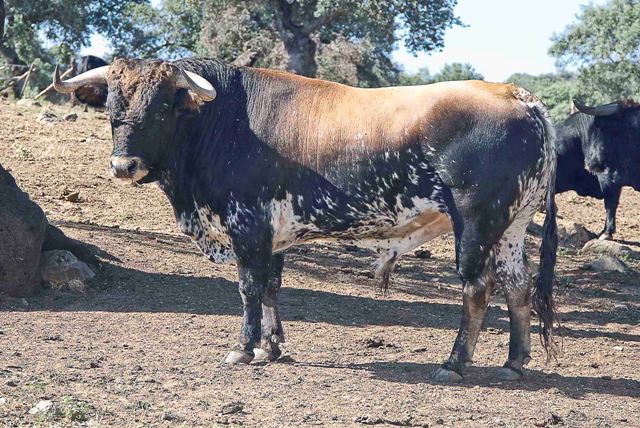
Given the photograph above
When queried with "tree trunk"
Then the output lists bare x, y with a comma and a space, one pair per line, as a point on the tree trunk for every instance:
300, 47
301, 52
7, 51
24, 234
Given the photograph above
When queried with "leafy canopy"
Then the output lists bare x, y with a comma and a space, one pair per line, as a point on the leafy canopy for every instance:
603, 48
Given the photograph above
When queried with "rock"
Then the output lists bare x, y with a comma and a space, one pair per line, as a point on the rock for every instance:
62, 270
70, 117
47, 117
621, 306
72, 197
28, 102
612, 248
618, 348
570, 234
422, 254
42, 407
3, 401
11, 383
606, 263
573, 235
22, 233
231, 408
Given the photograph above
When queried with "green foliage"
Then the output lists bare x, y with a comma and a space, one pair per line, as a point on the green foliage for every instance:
48, 31
556, 90
422, 77
453, 71
348, 41
457, 71
602, 46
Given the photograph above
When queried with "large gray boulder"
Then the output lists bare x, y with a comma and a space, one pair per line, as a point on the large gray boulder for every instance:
22, 231
611, 248
24, 234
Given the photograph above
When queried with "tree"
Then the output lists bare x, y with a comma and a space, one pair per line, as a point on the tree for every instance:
422, 77
48, 30
603, 47
457, 71
343, 40
556, 90
453, 71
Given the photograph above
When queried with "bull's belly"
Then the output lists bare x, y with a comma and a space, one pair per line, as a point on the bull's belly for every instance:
385, 232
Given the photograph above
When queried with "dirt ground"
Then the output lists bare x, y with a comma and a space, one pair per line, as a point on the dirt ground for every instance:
144, 346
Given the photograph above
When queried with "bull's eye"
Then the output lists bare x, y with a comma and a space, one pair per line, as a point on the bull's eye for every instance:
162, 112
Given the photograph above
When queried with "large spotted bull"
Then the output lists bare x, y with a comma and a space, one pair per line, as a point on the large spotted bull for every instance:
254, 161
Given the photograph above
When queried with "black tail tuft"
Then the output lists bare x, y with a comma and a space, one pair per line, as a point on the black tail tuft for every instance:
543, 303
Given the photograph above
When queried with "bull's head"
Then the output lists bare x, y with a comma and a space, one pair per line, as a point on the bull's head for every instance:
145, 100
599, 134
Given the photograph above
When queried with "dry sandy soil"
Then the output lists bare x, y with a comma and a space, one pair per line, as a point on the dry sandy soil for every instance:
144, 346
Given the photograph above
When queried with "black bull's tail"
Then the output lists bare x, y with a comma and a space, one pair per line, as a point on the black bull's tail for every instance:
543, 303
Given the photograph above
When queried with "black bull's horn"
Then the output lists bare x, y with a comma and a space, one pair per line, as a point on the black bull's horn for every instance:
601, 110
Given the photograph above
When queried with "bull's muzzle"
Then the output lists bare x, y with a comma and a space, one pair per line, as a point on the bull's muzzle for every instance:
128, 168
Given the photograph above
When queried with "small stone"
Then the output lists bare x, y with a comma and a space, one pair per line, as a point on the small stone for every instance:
70, 117
47, 117
95, 365
42, 407
28, 102
72, 197
621, 306
231, 408
418, 350
618, 348
374, 342
422, 254
3, 401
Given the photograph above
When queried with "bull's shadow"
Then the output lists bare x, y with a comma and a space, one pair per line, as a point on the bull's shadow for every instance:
420, 373
121, 289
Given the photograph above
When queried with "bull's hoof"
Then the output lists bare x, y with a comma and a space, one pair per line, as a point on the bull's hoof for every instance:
239, 357
267, 354
448, 376
507, 373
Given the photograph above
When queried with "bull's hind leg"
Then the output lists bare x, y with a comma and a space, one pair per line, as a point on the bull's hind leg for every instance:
512, 272
475, 269
272, 333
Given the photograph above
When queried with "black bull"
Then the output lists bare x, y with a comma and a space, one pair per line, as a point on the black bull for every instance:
277, 160
598, 154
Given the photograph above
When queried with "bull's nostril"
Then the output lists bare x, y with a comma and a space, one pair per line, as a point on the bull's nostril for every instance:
133, 165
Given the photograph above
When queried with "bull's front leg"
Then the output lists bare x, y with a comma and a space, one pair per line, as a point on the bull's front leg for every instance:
253, 283
272, 332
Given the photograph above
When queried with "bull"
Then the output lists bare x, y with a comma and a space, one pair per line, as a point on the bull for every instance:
254, 161
598, 154
92, 95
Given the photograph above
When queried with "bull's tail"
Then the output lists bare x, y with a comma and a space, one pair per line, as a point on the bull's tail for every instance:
543, 303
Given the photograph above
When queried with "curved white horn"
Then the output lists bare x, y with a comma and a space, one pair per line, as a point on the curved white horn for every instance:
197, 84
96, 76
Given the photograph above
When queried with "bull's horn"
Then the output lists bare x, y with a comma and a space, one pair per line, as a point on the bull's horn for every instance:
601, 110
197, 84
96, 76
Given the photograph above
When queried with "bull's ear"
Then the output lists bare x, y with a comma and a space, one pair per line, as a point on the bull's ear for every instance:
95, 96
187, 102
